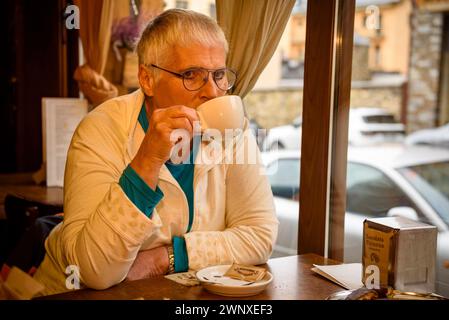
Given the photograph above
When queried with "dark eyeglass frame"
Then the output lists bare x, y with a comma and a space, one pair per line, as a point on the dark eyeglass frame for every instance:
182, 76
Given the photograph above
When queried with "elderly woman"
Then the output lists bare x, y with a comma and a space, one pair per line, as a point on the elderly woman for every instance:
130, 212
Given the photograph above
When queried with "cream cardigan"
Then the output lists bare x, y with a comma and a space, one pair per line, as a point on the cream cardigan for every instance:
102, 232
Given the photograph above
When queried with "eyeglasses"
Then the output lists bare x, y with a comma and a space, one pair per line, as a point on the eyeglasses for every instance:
195, 78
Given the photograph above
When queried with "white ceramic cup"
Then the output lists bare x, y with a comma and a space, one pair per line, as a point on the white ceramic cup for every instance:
225, 112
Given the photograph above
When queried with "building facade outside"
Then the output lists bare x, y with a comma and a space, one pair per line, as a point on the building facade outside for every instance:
400, 62
428, 83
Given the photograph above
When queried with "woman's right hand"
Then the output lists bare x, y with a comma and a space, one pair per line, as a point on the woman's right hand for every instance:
159, 140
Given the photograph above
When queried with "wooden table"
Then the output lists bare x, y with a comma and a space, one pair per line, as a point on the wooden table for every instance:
23, 186
293, 280
47, 196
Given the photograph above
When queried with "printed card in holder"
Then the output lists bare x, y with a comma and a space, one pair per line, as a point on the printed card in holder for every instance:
60, 117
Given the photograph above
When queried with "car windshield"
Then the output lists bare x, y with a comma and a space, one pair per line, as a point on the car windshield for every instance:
432, 182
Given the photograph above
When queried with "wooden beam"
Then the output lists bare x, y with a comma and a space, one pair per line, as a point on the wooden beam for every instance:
317, 104
327, 86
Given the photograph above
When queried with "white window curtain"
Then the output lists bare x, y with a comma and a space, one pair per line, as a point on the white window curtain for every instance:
253, 29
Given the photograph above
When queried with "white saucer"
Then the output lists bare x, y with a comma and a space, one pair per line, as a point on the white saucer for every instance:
213, 280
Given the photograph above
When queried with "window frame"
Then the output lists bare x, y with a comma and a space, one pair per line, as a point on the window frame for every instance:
328, 61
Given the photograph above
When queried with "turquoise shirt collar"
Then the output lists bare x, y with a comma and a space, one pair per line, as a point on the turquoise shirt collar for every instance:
143, 120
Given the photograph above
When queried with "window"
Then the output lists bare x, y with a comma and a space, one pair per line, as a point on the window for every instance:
299, 5
379, 26
274, 104
407, 46
212, 10
370, 192
285, 180
365, 22
182, 4
377, 56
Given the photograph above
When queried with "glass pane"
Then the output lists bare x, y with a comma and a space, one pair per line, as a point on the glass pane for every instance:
398, 154
370, 192
431, 181
275, 106
285, 178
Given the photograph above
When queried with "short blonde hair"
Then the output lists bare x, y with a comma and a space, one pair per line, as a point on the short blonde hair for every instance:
177, 27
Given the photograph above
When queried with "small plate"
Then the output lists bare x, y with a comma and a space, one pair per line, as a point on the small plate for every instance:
213, 281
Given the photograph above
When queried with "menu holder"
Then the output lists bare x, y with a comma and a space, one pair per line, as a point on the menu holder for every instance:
60, 117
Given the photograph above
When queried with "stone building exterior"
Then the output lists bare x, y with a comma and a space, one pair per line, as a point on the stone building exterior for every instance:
417, 93
360, 56
428, 105
274, 107
279, 105
271, 108
384, 23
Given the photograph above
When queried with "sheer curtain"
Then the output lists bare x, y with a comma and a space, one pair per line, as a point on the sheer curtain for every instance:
253, 29
95, 32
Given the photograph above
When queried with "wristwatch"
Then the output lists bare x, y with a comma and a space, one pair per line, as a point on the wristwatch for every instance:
171, 260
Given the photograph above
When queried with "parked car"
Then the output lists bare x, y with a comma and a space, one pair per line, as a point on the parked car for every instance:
366, 126
410, 181
434, 137
258, 132
284, 137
